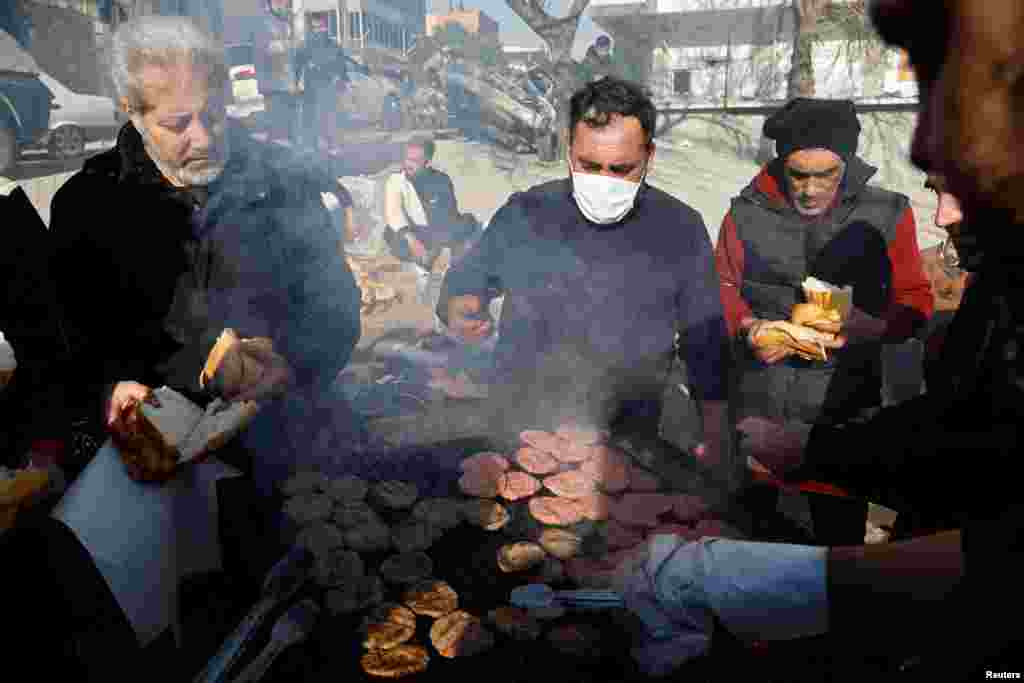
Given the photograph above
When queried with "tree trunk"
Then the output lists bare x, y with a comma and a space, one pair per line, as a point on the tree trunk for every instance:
806, 15
558, 34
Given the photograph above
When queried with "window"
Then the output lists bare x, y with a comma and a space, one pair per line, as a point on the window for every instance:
682, 82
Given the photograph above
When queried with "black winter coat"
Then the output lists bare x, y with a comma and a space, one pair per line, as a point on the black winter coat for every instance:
950, 457
32, 407
149, 277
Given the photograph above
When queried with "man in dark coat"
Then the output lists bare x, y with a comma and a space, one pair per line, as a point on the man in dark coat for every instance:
204, 230
599, 271
952, 595
32, 406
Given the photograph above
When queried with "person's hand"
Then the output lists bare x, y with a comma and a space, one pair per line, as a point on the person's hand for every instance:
759, 591
669, 633
774, 340
121, 417
777, 446
465, 319
275, 380
768, 354
857, 327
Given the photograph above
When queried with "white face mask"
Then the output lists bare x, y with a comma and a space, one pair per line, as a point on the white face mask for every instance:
604, 199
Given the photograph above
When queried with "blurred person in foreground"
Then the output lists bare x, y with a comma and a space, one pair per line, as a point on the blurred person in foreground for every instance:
949, 266
599, 271
33, 353
422, 212
952, 594
206, 229
186, 227
811, 212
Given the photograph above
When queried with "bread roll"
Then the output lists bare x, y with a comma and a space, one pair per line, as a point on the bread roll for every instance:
396, 662
431, 598
813, 314
460, 634
804, 341
518, 557
387, 626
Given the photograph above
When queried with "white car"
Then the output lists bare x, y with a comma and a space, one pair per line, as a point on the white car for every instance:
77, 119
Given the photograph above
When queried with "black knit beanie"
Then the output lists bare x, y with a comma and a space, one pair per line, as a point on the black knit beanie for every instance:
812, 124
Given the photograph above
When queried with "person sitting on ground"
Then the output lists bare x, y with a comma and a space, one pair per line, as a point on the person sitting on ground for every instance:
811, 213
422, 212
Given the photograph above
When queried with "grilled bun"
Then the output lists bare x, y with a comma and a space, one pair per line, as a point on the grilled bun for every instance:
809, 314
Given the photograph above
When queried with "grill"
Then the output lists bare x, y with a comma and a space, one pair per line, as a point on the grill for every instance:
465, 557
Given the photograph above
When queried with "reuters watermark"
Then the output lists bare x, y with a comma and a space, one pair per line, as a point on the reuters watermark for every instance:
1002, 675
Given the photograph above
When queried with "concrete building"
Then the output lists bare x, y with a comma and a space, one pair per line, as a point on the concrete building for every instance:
474, 21
736, 51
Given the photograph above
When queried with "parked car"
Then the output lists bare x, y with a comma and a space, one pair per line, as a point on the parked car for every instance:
24, 115
24, 102
77, 119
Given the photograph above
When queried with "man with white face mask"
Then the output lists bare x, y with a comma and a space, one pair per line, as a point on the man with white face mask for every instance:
599, 271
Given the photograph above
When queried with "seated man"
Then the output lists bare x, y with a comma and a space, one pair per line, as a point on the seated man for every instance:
811, 212
421, 211
32, 405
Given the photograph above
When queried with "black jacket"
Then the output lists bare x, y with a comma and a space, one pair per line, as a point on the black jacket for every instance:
149, 276
32, 407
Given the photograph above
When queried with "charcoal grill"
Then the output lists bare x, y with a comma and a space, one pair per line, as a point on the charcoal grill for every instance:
466, 558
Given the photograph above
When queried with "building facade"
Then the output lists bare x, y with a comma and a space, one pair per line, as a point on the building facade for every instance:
474, 21
737, 51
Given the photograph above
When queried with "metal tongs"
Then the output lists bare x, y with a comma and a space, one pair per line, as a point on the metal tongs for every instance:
542, 596
284, 580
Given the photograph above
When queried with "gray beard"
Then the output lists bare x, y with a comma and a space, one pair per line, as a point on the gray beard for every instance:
190, 175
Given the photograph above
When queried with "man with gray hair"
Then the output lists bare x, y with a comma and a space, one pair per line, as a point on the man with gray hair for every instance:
206, 229
194, 228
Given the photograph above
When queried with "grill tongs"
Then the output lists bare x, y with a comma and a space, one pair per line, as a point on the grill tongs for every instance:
542, 596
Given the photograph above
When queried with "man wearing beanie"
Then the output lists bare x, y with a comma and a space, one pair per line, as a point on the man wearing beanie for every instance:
811, 213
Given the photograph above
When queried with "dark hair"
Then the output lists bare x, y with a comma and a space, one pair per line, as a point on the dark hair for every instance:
426, 144
597, 102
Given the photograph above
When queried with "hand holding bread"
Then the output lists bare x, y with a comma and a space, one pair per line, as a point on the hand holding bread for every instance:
245, 369
766, 336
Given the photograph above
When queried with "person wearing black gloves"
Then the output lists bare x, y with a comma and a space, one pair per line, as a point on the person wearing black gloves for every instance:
951, 594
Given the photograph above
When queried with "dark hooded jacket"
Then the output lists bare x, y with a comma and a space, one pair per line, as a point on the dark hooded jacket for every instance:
149, 274
867, 240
